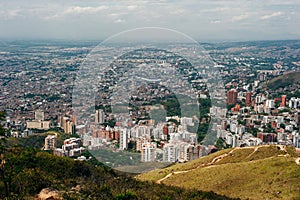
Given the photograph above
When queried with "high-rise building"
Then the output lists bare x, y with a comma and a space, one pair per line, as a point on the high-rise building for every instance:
148, 152
248, 98
170, 153
267, 137
50, 142
183, 152
294, 102
224, 124
297, 119
296, 140
165, 130
270, 103
67, 124
99, 116
232, 96
139, 143
283, 100
123, 139
258, 99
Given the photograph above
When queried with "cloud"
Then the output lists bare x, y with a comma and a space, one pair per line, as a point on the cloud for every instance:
13, 13
240, 17
119, 21
132, 7
216, 10
115, 15
215, 21
88, 9
76, 10
272, 15
10, 14
177, 11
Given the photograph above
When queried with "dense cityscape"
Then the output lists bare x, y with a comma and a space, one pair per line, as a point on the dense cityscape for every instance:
37, 85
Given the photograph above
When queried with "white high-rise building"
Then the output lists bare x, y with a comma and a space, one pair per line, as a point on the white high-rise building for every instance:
183, 152
233, 127
123, 139
294, 102
296, 139
234, 140
270, 103
170, 153
258, 99
148, 152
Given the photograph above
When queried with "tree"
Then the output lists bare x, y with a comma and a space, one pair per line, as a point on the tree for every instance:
174, 121
282, 125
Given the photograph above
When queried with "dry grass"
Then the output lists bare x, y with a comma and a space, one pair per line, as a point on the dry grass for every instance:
160, 173
271, 178
266, 172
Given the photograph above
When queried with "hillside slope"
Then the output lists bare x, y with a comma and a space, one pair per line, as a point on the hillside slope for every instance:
264, 172
284, 80
27, 172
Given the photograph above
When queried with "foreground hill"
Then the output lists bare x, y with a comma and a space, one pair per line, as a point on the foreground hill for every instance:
264, 172
34, 174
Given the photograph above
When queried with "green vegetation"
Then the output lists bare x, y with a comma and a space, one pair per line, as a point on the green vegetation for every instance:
202, 130
2, 134
35, 141
174, 121
221, 144
38, 140
172, 107
2, 154
116, 159
264, 172
28, 171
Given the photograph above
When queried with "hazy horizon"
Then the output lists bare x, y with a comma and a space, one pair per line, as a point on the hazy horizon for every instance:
41, 40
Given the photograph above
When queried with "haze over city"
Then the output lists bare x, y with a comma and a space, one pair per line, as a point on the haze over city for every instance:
219, 20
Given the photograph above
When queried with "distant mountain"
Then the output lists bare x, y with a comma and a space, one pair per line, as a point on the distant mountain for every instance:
264, 172
285, 80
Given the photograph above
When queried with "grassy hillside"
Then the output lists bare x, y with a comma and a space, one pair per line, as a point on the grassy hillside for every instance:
284, 80
265, 172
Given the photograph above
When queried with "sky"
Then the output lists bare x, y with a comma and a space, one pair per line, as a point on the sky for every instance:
203, 20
